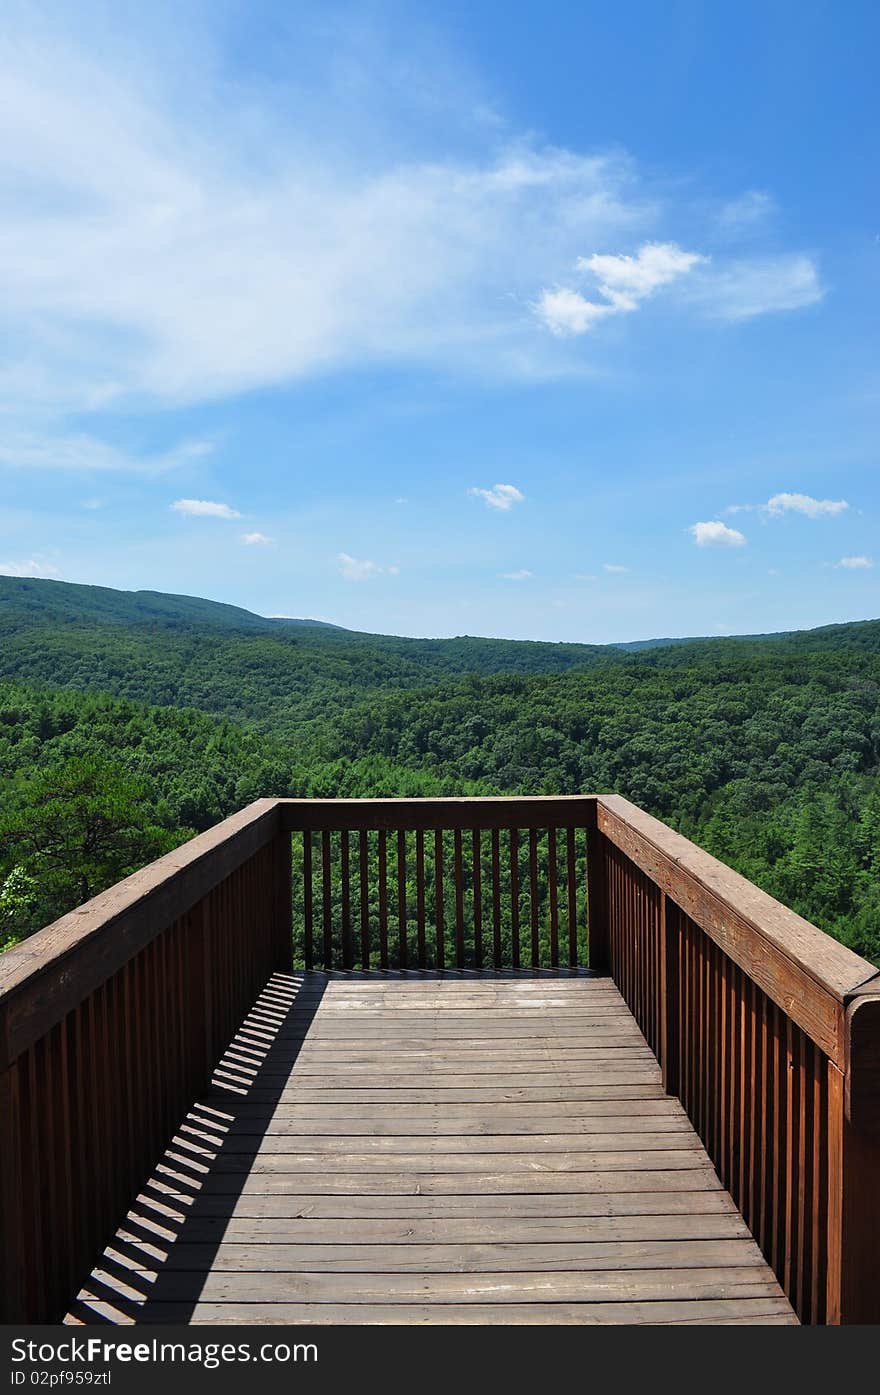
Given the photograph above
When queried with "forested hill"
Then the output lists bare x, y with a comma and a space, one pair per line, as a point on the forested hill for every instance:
182, 651
146, 716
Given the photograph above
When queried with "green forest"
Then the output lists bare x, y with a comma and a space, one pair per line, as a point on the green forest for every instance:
129, 721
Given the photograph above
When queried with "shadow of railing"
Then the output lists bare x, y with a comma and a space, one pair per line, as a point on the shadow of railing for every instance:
155, 1267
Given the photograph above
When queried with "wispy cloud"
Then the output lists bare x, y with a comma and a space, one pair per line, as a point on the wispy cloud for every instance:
716, 534
33, 566
614, 567
28, 450
752, 208
742, 290
256, 540
203, 508
781, 504
522, 575
500, 496
855, 564
220, 237
362, 569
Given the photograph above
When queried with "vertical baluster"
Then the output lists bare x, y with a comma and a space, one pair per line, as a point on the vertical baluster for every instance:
791, 1132
478, 899
706, 1065
345, 877
765, 1123
514, 898
753, 1103
327, 888
721, 1071
438, 899
552, 871
778, 1148
383, 899
496, 898
819, 1199
571, 890
308, 915
804, 1185
459, 899
533, 897
364, 889
402, 945
420, 899
31, 1189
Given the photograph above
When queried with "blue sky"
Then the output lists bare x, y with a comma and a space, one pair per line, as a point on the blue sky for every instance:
539, 320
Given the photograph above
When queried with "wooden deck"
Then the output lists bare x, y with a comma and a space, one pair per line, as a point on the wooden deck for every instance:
468, 1149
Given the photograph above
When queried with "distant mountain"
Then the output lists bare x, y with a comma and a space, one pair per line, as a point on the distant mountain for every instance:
27, 600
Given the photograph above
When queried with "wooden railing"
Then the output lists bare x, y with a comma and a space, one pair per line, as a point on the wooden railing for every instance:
440, 884
111, 1021
768, 1031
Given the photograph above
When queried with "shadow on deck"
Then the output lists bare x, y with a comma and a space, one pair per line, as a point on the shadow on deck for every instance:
484, 1148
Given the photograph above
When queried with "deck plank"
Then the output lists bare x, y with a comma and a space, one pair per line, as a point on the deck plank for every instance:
461, 1150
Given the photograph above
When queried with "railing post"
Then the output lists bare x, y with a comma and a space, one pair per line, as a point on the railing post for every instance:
854, 1169
14, 1259
201, 1000
668, 996
283, 902
597, 893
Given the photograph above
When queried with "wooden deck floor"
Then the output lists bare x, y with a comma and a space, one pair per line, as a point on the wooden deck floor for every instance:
457, 1150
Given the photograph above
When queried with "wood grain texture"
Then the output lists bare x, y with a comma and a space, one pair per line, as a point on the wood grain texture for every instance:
312, 1182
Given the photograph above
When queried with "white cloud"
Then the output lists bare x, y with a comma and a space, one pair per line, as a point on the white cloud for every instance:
753, 207
203, 508
522, 575
34, 566
742, 290
614, 567
781, 504
500, 496
361, 569
805, 504
566, 312
625, 281
716, 534
256, 540
856, 563
622, 280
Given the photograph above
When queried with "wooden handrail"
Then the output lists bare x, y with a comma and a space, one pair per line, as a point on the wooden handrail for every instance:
482, 812
46, 976
806, 972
